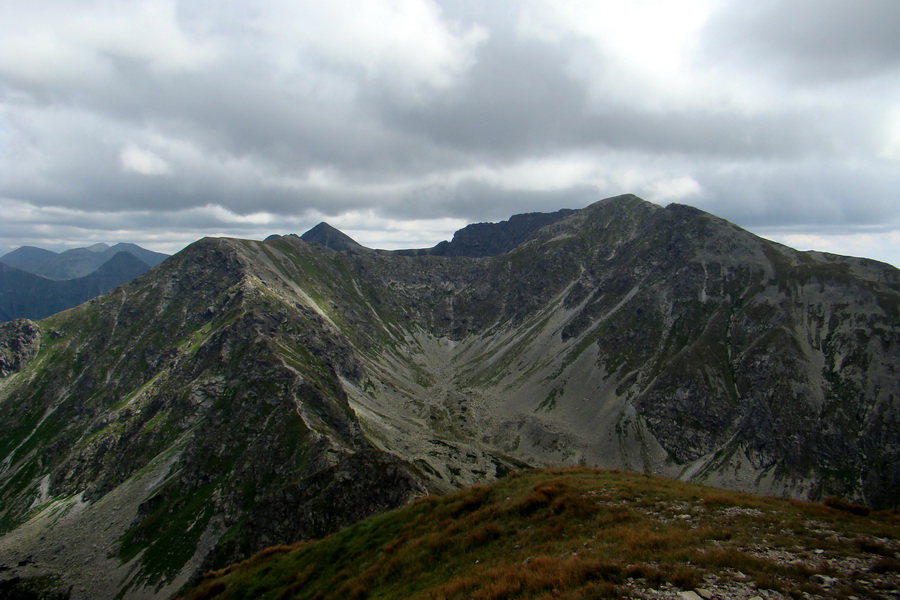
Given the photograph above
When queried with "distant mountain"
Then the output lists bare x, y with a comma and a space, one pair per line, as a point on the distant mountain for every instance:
328, 236
490, 239
474, 241
28, 258
30, 296
245, 394
74, 263
149, 257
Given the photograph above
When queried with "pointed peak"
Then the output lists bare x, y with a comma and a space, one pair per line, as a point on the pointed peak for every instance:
328, 236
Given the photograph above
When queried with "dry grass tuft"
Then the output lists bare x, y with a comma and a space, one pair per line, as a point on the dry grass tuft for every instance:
839, 503
483, 534
574, 505
476, 497
886, 565
535, 576
870, 546
210, 591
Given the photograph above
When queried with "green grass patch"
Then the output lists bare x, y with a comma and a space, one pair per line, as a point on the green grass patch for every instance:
569, 533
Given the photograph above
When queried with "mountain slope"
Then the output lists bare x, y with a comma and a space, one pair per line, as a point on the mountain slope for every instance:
174, 428
225, 400
580, 533
656, 339
29, 296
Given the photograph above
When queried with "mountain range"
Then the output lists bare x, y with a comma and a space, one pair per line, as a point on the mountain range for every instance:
77, 262
244, 394
36, 283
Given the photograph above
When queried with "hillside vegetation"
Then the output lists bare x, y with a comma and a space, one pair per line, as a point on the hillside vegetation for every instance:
583, 533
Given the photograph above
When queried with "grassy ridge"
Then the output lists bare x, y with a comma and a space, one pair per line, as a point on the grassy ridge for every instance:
582, 533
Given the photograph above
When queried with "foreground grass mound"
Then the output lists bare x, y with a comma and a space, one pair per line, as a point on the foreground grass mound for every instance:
584, 533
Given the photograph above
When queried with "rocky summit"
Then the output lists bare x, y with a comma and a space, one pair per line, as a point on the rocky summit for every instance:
244, 394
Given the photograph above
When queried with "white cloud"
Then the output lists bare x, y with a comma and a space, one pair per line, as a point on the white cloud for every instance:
640, 51
73, 42
674, 188
890, 146
142, 161
374, 231
406, 43
882, 245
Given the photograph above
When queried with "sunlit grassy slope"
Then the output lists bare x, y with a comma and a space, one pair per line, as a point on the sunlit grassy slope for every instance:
584, 533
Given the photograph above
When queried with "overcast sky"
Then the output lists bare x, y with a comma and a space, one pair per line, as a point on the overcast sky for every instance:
399, 121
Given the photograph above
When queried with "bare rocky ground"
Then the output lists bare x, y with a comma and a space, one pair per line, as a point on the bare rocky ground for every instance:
834, 573
851, 579
54, 541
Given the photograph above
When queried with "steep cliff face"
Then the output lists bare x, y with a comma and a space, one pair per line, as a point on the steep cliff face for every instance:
249, 393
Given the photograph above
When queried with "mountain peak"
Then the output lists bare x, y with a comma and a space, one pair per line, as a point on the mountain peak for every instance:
330, 237
491, 239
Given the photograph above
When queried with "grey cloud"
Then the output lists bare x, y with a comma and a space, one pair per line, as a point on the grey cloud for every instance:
520, 98
811, 193
476, 200
808, 40
517, 98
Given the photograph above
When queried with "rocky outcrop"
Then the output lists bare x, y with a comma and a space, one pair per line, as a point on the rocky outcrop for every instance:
20, 341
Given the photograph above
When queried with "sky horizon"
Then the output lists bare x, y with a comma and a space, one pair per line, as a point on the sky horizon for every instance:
159, 122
